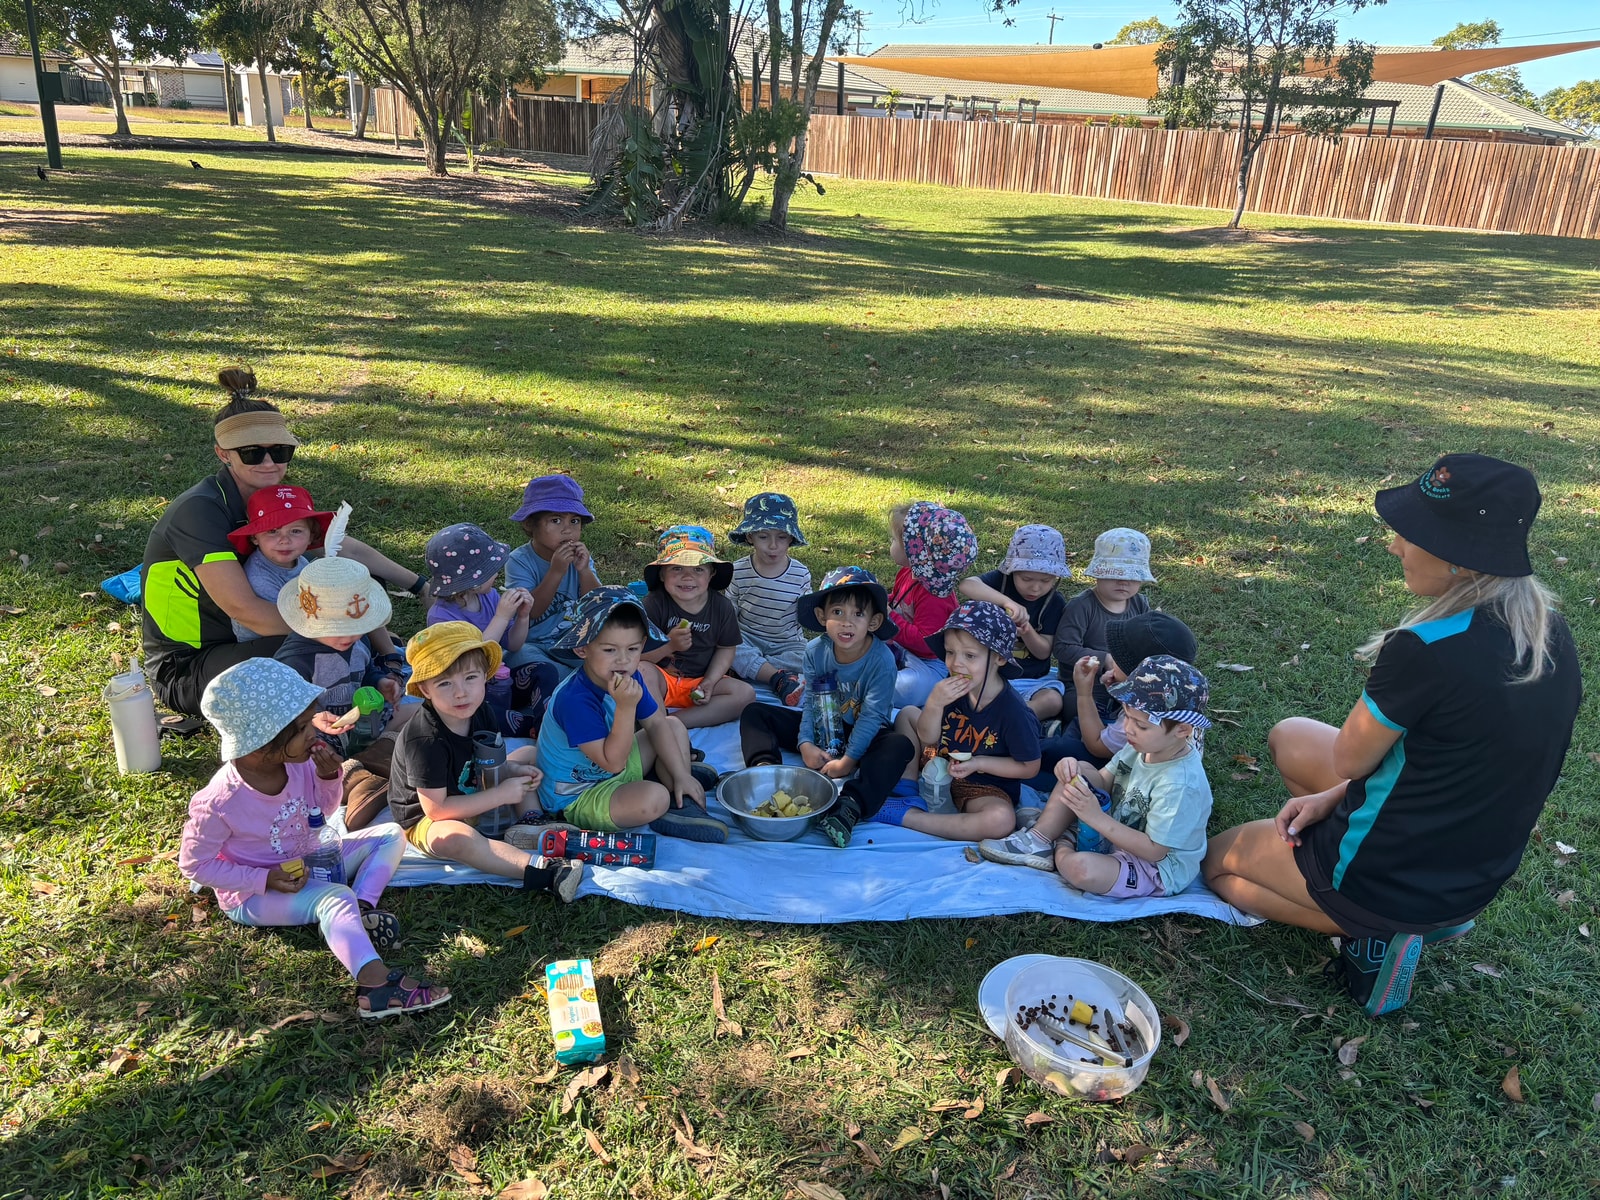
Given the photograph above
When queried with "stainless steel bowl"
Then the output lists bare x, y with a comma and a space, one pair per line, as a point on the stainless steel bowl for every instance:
752, 787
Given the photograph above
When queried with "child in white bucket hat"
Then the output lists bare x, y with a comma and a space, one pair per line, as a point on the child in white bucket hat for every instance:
249, 828
1119, 568
1024, 585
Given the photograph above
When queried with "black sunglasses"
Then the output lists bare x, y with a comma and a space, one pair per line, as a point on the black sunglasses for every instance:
251, 456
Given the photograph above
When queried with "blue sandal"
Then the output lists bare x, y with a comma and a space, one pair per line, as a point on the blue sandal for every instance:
381, 997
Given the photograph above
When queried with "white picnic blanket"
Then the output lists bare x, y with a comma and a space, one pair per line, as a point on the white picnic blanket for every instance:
886, 874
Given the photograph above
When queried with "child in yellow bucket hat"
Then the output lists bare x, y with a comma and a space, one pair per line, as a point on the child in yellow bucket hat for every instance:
687, 582
433, 790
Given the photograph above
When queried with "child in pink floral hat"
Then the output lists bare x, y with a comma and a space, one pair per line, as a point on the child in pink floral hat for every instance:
932, 545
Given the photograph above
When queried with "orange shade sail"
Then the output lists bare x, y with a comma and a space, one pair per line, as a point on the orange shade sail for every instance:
1131, 70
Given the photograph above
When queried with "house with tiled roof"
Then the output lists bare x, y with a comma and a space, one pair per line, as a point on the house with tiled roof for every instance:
17, 81
1452, 109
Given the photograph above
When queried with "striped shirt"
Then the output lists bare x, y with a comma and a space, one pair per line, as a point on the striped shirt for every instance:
767, 606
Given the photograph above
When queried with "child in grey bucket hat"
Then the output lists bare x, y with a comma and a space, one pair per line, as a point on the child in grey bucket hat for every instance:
1024, 585
250, 829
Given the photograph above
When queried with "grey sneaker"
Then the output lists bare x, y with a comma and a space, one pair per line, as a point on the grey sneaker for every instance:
530, 832
1021, 849
569, 878
1028, 816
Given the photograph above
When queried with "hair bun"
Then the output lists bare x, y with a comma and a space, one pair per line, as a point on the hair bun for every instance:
240, 381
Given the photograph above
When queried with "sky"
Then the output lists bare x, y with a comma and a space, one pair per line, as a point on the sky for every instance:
1402, 22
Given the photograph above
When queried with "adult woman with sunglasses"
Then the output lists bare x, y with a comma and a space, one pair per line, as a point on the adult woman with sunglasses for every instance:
1404, 824
193, 583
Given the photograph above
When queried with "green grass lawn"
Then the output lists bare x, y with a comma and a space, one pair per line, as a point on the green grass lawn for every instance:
1021, 358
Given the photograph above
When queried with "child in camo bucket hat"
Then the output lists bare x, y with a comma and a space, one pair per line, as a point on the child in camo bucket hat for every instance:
1166, 689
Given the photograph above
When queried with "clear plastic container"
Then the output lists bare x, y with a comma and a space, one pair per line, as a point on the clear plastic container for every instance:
1062, 1068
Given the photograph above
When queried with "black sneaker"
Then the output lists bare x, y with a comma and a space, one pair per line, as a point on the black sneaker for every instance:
839, 822
691, 823
1377, 972
706, 776
788, 686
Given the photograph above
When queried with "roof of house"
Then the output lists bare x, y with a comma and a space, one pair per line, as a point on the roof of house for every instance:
17, 47
1462, 107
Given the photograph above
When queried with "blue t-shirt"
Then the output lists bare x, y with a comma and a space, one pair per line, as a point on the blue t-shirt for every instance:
864, 691
1004, 728
525, 569
580, 712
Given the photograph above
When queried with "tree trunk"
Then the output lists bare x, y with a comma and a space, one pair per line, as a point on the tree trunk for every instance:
431, 129
1245, 160
305, 97
112, 70
228, 98
266, 101
361, 113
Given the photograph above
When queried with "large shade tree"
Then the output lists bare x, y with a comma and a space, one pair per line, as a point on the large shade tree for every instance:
103, 31
439, 53
1247, 61
1576, 107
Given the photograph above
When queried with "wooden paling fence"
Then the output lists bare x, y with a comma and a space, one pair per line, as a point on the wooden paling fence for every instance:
1502, 187
520, 123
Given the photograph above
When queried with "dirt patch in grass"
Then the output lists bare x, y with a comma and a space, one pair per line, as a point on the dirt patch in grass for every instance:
1222, 233
524, 197
624, 954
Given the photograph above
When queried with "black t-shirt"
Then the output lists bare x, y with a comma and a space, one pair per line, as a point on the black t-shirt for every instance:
1044, 614
1005, 728
1429, 837
429, 755
714, 626
179, 617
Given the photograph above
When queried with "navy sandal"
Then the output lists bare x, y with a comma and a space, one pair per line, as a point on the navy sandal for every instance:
381, 997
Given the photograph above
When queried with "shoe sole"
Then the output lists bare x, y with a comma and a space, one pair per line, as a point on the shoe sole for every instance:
379, 943
1392, 988
1449, 934
529, 838
836, 831
567, 882
383, 1014
996, 853
690, 829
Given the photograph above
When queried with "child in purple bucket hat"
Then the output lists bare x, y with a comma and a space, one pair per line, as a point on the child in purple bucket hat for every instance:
554, 566
976, 720
1024, 584
932, 545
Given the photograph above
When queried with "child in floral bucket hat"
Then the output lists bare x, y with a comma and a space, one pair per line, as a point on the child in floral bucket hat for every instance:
1024, 584
932, 545
464, 562
1160, 799
976, 720
766, 585
612, 757
686, 583
249, 828
1120, 568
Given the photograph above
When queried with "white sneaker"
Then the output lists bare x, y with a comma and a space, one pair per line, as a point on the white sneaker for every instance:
1022, 849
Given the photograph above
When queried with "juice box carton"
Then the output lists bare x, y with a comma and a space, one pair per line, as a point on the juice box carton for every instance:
574, 1011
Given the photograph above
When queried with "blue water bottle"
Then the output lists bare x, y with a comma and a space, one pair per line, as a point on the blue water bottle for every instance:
829, 727
325, 864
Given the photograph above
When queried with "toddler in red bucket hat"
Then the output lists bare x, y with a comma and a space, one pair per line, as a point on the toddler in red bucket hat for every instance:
283, 525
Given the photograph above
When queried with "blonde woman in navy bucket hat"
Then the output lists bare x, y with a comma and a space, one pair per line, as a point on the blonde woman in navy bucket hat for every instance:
1404, 824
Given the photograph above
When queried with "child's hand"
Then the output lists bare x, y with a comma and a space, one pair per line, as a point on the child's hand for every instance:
520, 600
526, 771
389, 687
625, 690
279, 880
1022, 623
1079, 799
688, 788
1084, 673
680, 637
837, 768
517, 787
812, 756
1018, 614
326, 760
580, 556
326, 722
948, 690
1068, 769
961, 768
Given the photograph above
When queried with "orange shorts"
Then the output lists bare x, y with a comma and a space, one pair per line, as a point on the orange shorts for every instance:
678, 689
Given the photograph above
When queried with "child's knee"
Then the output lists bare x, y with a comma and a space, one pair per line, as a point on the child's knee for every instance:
997, 821
653, 799
454, 840
1074, 867
740, 691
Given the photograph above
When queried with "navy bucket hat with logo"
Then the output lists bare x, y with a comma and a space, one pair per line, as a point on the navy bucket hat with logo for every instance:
1470, 510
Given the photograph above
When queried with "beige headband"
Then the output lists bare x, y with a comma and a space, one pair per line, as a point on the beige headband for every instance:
265, 428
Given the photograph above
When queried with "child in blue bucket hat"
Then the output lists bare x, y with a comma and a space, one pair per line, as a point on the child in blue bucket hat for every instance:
554, 566
612, 757
979, 722
853, 664
766, 584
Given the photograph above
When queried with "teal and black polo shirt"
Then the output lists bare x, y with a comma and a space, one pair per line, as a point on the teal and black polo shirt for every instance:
179, 617
1430, 836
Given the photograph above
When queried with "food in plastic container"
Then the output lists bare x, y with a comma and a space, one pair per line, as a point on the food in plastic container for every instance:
1102, 1059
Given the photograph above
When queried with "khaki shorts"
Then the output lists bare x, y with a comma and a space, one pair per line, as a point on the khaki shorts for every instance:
592, 808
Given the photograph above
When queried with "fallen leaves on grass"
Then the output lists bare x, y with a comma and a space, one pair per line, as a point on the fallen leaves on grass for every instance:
721, 1013
800, 1052
1179, 1027
524, 1189
584, 1079
1007, 1076
136, 860
624, 1069
1035, 1119
548, 1076
853, 1133
1236, 668
944, 1106
340, 1164
1306, 1131
909, 1136
1564, 852
1565, 898
306, 1015
705, 943
465, 1163
1511, 1085
684, 1136
974, 1111
1130, 1156
121, 1062
515, 931
1349, 1051
1217, 1097
596, 1148
1488, 969
818, 1191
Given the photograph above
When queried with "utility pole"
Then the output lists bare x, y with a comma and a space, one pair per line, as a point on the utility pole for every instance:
48, 89
860, 24
1052, 18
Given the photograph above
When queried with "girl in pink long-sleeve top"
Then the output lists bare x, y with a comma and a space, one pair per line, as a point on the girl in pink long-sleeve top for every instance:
932, 545
248, 830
